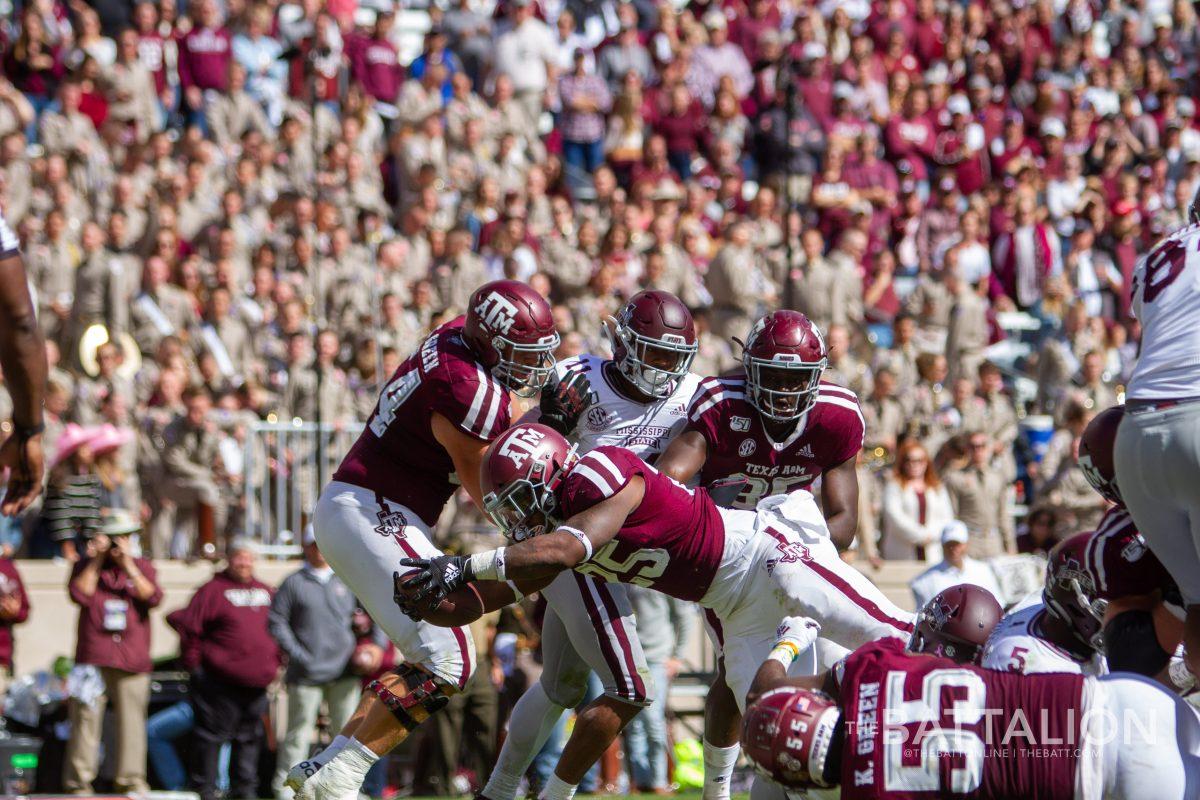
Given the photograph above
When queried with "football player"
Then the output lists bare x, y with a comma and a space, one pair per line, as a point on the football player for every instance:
637, 400
776, 429
1059, 631
1157, 448
1143, 621
956, 623
612, 515
890, 725
426, 436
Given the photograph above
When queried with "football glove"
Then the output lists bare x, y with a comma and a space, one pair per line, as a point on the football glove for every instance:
565, 401
435, 579
800, 632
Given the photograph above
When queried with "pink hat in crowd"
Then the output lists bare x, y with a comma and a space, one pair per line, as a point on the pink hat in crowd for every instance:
71, 439
109, 437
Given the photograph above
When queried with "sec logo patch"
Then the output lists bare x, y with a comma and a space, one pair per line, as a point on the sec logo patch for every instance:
597, 419
746, 448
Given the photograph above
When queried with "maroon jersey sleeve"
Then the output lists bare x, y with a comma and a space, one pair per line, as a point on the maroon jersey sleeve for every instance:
462, 392
598, 476
1119, 561
706, 411
842, 426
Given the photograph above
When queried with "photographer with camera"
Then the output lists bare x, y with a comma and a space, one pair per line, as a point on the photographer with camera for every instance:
115, 590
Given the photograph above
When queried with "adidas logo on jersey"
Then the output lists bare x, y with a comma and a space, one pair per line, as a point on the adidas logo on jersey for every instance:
806, 452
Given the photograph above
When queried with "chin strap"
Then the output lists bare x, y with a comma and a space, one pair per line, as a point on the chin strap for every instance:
425, 696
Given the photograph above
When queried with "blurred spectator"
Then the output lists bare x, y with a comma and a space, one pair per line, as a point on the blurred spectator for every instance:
916, 508
311, 619
232, 658
71, 510
979, 494
585, 100
14, 609
191, 451
115, 590
1039, 534
955, 567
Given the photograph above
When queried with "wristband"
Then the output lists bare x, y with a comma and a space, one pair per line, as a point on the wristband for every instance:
28, 432
785, 653
488, 566
583, 540
1180, 676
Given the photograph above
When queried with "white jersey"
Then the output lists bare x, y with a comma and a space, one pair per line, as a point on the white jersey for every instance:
614, 419
1016, 646
9, 244
1166, 299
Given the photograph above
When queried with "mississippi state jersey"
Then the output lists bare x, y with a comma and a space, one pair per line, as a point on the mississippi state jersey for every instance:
9, 244
828, 434
672, 542
1018, 645
1121, 564
397, 455
614, 419
920, 727
1166, 299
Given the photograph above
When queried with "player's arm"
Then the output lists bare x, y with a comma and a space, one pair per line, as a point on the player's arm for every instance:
539, 558
465, 451
684, 457
23, 359
839, 502
794, 636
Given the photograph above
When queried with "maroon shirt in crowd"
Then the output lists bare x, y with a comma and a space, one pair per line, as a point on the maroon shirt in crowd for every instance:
40, 82
223, 630
683, 132
204, 56
375, 63
114, 626
11, 584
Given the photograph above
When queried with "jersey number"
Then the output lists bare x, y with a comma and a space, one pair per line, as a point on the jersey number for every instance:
757, 488
641, 567
922, 717
1162, 268
394, 395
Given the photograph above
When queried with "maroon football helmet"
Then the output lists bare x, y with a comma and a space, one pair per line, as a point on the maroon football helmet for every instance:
654, 341
1070, 592
956, 623
511, 329
784, 356
787, 735
1096, 448
521, 471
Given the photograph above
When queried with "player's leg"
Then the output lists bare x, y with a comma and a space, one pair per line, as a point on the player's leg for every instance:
363, 550
537, 712
1150, 741
1158, 469
851, 610
722, 720
599, 621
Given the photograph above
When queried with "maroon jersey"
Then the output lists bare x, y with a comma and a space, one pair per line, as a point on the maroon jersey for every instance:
1119, 561
397, 455
673, 542
920, 727
830, 433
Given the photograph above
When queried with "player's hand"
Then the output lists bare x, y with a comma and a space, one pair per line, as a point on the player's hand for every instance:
800, 632
564, 402
24, 459
404, 594
437, 577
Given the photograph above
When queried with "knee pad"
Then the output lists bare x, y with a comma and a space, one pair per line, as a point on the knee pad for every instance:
1131, 644
565, 689
423, 696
